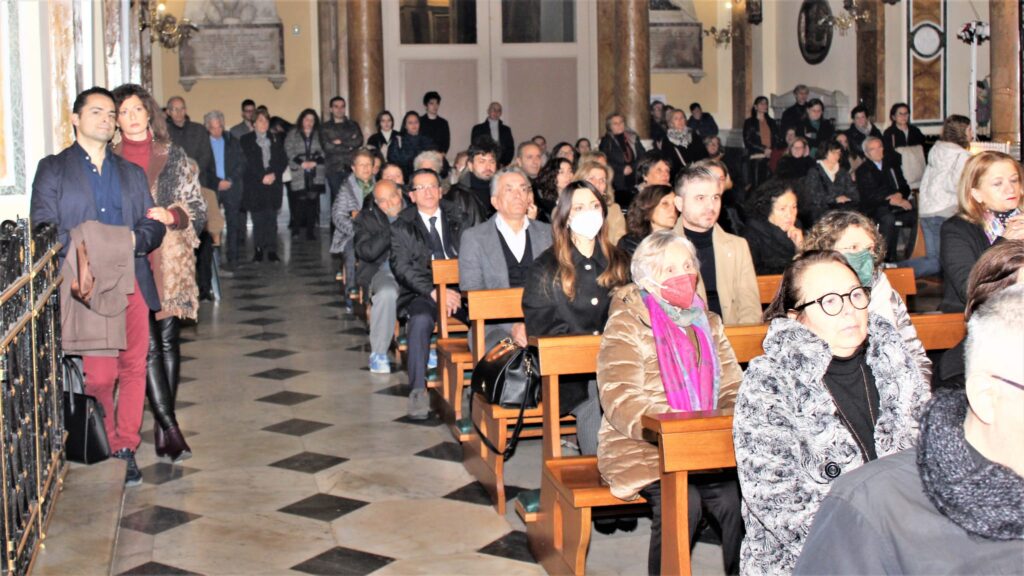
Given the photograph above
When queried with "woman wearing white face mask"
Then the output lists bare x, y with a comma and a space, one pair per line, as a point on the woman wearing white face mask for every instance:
568, 290
663, 351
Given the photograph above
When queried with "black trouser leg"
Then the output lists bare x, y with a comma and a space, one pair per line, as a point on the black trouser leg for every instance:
720, 494
652, 493
163, 364
204, 263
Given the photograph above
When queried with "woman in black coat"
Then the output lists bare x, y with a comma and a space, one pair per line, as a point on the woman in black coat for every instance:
653, 210
386, 134
623, 149
568, 291
760, 136
265, 163
827, 186
990, 212
680, 146
901, 132
772, 230
409, 144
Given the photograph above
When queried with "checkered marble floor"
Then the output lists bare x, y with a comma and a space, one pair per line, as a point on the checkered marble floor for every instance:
304, 461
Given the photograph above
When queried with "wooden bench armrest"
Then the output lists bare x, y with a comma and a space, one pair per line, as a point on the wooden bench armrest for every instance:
683, 422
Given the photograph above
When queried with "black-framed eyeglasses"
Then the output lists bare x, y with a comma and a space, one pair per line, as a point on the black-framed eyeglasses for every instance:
1008, 381
424, 188
832, 303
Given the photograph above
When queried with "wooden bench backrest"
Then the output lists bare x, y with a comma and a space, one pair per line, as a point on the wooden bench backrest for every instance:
446, 275
484, 305
939, 331
707, 442
901, 279
567, 355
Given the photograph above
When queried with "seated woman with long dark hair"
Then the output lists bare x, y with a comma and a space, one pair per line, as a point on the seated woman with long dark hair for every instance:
772, 229
653, 210
552, 179
568, 290
835, 388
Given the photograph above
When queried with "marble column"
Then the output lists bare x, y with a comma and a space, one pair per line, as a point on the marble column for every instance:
1005, 47
633, 67
365, 62
871, 61
607, 63
742, 65
327, 23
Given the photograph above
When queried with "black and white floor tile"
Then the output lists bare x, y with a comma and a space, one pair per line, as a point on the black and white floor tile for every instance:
305, 463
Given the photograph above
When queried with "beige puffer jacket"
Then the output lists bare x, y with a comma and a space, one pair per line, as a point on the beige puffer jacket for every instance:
629, 382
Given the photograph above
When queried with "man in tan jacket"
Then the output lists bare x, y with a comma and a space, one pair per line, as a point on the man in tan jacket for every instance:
728, 282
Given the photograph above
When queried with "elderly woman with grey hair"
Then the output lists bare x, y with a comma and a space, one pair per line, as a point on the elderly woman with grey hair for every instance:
664, 351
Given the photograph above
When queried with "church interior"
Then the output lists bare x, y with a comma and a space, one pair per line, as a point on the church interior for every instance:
303, 459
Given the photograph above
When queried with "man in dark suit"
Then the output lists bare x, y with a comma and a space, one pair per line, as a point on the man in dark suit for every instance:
193, 138
883, 194
230, 167
86, 181
497, 131
794, 116
509, 233
428, 231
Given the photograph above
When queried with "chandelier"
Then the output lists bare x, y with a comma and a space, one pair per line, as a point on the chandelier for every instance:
851, 15
164, 27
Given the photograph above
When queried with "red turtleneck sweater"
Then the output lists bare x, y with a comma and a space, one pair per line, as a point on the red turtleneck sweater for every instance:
137, 151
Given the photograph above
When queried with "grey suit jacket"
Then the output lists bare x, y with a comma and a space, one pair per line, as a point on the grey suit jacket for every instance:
482, 263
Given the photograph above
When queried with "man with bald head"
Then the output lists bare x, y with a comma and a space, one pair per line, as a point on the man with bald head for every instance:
497, 131
373, 248
194, 139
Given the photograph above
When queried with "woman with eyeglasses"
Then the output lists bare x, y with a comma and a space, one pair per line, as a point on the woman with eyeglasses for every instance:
836, 388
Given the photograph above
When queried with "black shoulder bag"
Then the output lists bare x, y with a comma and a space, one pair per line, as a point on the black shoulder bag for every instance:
87, 441
507, 376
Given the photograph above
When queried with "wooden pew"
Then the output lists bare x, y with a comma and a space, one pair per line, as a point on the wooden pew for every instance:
902, 280
571, 488
494, 421
452, 351
687, 442
484, 305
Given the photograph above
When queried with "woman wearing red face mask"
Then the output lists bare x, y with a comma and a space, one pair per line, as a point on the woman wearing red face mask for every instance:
663, 351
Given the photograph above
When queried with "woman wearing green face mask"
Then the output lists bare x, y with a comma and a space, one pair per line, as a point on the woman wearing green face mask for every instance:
856, 237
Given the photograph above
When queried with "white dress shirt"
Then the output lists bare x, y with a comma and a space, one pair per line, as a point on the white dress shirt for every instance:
438, 224
516, 240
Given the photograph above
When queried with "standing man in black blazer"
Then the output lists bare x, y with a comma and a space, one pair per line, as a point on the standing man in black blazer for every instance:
230, 169
86, 181
428, 231
496, 130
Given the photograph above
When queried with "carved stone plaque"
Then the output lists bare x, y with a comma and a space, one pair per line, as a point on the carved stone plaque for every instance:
233, 51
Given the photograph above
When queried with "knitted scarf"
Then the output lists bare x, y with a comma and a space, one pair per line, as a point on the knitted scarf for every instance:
986, 500
689, 385
680, 137
995, 223
263, 141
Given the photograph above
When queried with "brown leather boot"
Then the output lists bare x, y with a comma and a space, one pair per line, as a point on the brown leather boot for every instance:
175, 446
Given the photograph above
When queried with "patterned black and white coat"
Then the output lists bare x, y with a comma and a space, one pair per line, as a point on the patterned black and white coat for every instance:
790, 443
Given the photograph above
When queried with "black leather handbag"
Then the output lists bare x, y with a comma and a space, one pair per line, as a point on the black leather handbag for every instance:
87, 441
507, 376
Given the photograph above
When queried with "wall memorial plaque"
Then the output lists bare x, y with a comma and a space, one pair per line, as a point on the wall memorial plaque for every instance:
814, 33
233, 51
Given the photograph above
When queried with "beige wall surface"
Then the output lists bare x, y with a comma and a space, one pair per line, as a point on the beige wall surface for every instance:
680, 90
453, 80
301, 90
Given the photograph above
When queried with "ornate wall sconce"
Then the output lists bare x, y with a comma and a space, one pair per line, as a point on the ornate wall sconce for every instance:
164, 27
722, 37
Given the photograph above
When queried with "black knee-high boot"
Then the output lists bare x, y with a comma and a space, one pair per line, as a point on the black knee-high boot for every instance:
162, 370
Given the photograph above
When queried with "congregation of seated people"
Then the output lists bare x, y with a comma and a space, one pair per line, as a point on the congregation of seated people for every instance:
658, 250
